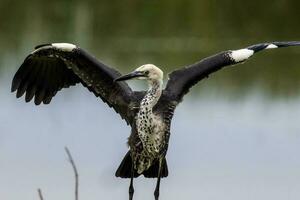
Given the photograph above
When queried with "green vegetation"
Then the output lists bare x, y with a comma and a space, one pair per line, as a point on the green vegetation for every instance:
167, 33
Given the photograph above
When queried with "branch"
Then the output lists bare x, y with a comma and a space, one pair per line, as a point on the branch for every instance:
75, 172
40, 194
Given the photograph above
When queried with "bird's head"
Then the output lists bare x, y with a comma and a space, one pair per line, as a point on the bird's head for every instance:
149, 72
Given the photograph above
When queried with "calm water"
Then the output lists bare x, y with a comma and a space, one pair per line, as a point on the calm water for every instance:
235, 136
221, 147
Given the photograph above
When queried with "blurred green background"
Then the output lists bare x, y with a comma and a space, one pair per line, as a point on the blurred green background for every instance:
169, 33
235, 136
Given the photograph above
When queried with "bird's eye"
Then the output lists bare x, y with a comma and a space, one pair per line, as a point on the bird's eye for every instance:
146, 72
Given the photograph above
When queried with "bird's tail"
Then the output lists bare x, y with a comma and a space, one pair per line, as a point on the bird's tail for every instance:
124, 170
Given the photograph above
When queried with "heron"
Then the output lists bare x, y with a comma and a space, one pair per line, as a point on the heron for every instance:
54, 66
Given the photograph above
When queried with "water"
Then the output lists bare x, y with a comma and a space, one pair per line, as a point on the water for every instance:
235, 136
219, 148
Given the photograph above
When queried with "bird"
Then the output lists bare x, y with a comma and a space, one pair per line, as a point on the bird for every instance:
54, 66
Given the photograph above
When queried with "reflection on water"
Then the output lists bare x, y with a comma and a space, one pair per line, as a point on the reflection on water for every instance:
236, 136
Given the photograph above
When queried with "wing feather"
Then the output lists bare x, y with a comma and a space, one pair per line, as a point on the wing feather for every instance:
181, 80
52, 67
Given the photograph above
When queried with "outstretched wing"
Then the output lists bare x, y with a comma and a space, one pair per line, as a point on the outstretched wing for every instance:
181, 80
52, 67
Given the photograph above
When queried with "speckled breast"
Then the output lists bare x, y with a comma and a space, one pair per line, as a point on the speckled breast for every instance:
150, 129
150, 142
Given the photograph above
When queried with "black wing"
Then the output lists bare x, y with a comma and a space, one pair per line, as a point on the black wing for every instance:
52, 67
181, 80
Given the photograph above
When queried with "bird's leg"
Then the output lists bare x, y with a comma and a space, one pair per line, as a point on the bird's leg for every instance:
131, 189
156, 191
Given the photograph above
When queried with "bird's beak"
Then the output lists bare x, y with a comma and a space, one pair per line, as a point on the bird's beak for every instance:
131, 75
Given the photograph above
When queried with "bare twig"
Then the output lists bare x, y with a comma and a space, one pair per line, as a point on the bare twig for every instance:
75, 172
40, 194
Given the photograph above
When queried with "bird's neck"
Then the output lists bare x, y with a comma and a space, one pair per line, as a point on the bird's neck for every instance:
152, 96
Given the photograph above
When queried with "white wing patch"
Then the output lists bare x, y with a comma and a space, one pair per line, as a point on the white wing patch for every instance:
241, 54
271, 46
64, 46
